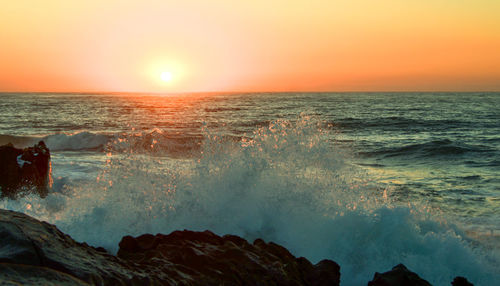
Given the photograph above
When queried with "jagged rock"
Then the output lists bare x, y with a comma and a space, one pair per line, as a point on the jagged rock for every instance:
30, 248
209, 259
25, 169
37, 253
398, 276
15, 274
461, 281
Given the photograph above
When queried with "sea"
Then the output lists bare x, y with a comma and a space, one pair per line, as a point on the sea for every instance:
369, 180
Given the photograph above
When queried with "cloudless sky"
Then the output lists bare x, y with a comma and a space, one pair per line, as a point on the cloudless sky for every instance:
232, 45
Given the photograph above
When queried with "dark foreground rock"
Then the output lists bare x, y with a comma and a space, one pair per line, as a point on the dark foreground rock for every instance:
30, 249
398, 276
37, 253
23, 170
461, 281
228, 260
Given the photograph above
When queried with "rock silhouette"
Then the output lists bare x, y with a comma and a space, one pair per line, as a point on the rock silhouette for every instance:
24, 170
34, 252
398, 276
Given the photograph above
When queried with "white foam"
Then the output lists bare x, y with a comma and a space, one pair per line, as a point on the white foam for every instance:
77, 141
21, 162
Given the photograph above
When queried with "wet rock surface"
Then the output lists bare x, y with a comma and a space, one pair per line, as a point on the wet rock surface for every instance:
24, 170
398, 276
30, 249
30, 246
401, 276
461, 281
230, 260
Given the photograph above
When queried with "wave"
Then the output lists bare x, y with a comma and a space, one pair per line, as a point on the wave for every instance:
147, 141
284, 183
434, 148
77, 141
61, 141
222, 109
398, 123
157, 142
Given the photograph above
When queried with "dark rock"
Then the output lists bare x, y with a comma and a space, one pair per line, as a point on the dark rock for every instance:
30, 248
398, 276
209, 259
18, 274
37, 253
24, 170
324, 273
461, 281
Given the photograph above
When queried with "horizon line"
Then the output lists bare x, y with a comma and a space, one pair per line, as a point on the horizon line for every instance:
247, 92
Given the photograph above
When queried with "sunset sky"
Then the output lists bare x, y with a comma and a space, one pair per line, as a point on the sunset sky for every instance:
228, 45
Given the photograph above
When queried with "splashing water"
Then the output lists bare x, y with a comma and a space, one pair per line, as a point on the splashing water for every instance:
285, 183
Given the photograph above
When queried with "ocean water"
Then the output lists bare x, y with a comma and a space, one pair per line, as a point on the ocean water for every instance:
368, 180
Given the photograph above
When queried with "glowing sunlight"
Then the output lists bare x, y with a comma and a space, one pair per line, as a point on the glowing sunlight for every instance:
166, 76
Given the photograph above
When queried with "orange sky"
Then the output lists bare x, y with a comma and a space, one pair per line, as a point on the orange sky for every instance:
231, 45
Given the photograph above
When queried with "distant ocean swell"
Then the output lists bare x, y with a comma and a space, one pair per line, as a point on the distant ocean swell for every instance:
285, 182
435, 148
394, 122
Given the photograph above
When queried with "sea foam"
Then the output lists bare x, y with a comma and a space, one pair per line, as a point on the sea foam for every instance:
285, 183
76, 141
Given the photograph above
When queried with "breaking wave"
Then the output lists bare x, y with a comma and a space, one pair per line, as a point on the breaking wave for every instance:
61, 141
77, 141
285, 183
147, 141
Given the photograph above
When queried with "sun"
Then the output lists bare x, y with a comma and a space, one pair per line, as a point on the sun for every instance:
166, 76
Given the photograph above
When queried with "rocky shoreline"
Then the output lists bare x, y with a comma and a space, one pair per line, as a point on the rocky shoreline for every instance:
37, 253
